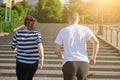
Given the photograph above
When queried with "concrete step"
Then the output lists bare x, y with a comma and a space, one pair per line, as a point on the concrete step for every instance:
46, 78
58, 74
59, 60
50, 43
46, 42
35, 78
103, 49
53, 66
104, 54
105, 57
52, 53
52, 61
89, 50
7, 47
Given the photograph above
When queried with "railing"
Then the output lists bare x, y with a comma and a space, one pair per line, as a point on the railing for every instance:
110, 34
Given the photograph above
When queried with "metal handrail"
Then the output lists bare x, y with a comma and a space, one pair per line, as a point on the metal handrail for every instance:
110, 34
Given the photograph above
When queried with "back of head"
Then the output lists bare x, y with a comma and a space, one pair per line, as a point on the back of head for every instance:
29, 22
73, 17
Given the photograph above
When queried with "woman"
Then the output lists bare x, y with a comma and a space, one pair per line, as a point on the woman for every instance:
28, 43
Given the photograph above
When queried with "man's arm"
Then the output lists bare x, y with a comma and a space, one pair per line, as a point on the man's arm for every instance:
41, 49
95, 43
58, 51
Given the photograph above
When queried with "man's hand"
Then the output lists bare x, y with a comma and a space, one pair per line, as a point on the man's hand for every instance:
92, 61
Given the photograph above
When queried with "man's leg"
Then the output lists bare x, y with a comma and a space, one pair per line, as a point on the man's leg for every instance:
82, 70
69, 71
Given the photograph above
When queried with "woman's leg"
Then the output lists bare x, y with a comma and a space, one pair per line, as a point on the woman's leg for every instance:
21, 71
32, 69
25, 71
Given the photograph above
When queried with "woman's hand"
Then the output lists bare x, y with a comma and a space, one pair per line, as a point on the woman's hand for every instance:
14, 50
41, 64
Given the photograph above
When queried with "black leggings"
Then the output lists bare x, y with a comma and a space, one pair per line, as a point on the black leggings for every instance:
25, 71
75, 70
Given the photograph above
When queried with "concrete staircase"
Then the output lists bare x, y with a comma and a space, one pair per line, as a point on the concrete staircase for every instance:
107, 67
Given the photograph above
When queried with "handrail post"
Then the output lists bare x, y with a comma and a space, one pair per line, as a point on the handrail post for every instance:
106, 33
111, 36
94, 28
117, 44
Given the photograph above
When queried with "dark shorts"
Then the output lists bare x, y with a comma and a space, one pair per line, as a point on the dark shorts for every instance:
25, 71
75, 70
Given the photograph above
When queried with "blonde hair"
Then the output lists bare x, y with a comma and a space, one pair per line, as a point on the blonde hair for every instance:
73, 16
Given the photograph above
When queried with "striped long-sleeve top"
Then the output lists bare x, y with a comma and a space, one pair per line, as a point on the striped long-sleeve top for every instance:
26, 42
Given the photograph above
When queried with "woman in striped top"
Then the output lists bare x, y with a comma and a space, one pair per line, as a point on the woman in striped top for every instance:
28, 43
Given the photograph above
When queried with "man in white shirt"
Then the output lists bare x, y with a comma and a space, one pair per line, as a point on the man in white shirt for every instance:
75, 57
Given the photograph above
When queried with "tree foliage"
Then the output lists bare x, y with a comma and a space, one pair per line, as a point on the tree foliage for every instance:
49, 11
81, 8
2, 13
18, 12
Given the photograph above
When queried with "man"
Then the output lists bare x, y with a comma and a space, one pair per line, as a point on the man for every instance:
75, 57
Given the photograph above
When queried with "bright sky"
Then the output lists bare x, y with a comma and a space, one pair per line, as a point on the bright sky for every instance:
64, 1
67, 1
35, 1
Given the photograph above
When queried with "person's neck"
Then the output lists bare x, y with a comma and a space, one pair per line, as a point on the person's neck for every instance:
72, 23
26, 28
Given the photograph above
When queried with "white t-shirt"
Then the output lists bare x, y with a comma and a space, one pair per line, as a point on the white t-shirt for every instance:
74, 38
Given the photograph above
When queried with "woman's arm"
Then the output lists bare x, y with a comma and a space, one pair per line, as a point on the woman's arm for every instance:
41, 49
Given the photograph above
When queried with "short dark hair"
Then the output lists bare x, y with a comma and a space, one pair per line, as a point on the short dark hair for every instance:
29, 22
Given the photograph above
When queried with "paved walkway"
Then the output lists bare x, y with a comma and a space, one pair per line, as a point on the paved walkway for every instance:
3, 33
6, 33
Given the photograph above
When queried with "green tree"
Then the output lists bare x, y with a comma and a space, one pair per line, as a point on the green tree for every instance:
22, 11
2, 13
81, 8
18, 12
49, 11
14, 15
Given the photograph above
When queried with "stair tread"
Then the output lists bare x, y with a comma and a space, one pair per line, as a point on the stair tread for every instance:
59, 60
46, 78
60, 65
